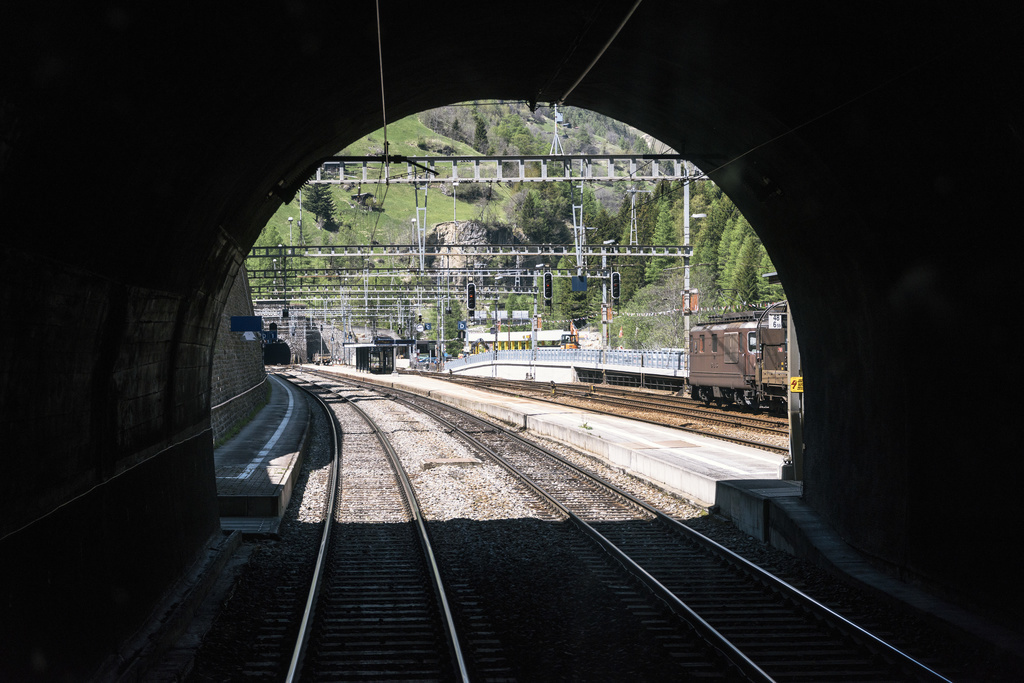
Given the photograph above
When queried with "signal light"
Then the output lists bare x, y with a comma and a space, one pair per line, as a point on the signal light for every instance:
615, 285
419, 318
547, 285
471, 296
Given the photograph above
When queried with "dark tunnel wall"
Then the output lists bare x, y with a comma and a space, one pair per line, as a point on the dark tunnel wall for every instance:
864, 144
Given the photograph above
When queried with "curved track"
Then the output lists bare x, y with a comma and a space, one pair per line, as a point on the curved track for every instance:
376, 607
765, 628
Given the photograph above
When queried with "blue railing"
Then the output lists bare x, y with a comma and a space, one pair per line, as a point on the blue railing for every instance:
671, 361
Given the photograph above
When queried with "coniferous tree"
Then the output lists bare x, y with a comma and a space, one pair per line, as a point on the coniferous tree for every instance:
736, 234
605, 226
769, 292
729, 249
569, 305
747, 277
665, 234
317, 199
631, 268
706, 245
480, 135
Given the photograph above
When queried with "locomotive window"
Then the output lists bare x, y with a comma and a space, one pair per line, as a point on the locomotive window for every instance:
714, 343
701, 343
751, 342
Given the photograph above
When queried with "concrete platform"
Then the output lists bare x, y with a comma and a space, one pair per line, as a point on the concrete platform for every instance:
687, 464
739, 483
256, 469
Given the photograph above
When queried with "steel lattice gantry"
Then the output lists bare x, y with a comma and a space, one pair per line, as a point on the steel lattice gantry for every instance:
361, 278
485, 250
421, 172
504, 169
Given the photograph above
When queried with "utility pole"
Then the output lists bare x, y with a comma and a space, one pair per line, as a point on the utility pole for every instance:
633, 231
686, 274
556, 144
494, 365
604, 302
421, 219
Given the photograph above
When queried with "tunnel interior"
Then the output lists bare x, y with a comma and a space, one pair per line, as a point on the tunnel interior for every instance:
865, 144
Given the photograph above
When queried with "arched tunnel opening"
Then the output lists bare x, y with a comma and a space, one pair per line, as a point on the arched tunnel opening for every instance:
848, 136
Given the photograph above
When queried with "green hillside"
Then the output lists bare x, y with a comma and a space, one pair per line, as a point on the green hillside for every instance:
730, 256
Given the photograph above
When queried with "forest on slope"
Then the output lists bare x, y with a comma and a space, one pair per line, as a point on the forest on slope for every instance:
727, 265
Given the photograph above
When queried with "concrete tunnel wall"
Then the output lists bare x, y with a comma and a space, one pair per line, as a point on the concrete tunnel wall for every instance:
862, 142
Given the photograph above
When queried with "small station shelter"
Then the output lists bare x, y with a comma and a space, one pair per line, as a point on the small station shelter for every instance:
377, 358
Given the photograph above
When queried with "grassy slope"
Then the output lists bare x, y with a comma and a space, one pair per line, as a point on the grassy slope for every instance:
393, 225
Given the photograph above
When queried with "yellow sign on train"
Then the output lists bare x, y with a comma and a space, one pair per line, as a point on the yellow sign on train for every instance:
796, 385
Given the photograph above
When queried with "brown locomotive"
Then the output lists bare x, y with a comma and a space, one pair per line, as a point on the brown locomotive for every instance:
741, 358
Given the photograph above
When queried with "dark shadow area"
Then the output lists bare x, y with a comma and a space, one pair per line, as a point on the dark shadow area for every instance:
856, 139
554, 606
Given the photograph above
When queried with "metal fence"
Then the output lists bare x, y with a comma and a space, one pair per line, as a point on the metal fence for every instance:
670, 362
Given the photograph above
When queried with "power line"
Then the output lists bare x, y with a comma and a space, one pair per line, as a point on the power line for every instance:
600, 54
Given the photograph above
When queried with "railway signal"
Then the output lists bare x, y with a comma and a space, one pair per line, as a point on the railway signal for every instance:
471, 296
547, 285
615, 285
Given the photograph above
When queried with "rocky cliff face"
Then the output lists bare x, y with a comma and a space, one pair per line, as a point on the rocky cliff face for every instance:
460, 232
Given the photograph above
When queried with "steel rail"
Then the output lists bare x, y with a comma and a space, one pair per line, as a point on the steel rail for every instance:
662, 403
424, 537
683, 403
762, 575
798, 596
707, 632
678, 410
840, 622
305, 625
731, 439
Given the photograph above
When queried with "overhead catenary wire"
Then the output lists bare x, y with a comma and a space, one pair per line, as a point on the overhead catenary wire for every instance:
384, 116
600, 53
383, 101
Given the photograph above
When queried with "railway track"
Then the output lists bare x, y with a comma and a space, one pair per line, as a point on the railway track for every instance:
674, 411
376, 607
765, 629
485, 649
666, 403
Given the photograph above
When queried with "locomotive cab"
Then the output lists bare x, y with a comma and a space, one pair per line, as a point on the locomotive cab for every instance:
737, 358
